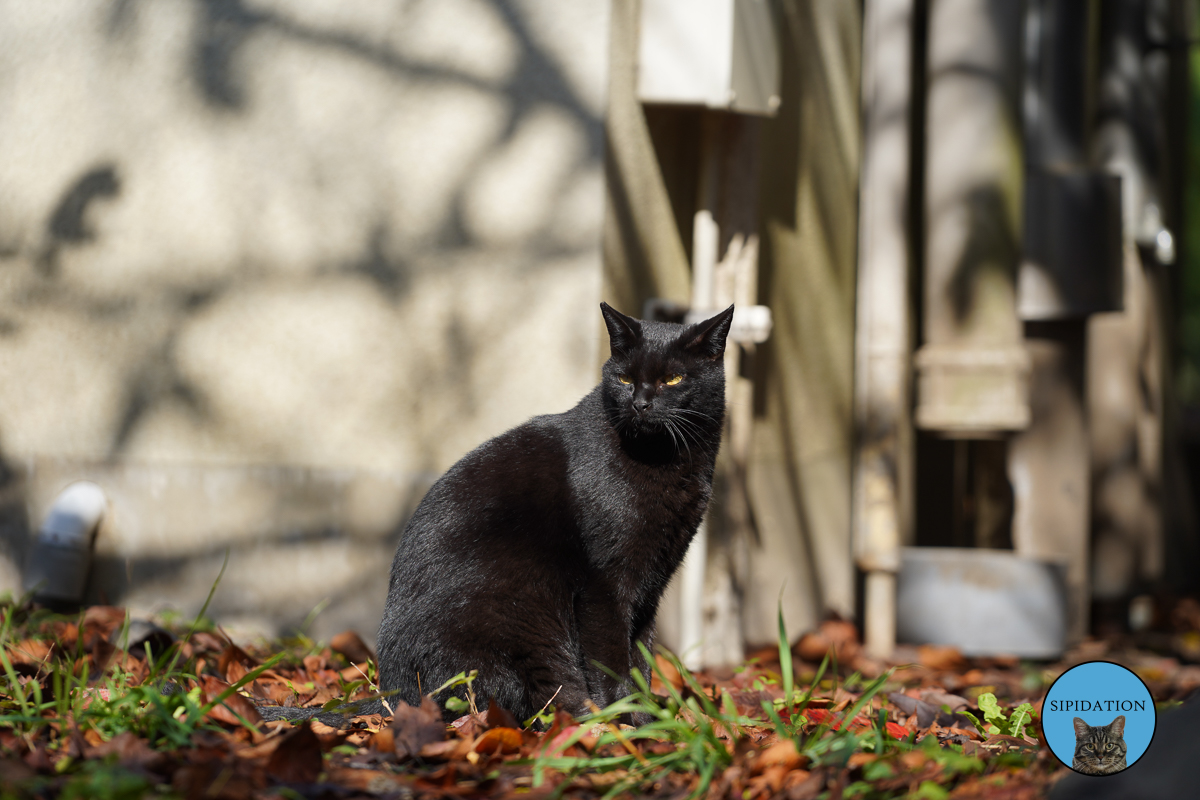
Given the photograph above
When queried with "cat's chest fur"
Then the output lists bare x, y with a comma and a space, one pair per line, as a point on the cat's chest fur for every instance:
639, 512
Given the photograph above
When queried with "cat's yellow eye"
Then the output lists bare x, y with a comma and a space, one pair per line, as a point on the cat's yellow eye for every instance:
674, 379
625, 379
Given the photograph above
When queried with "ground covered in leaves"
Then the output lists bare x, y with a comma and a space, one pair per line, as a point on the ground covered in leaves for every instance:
96, 705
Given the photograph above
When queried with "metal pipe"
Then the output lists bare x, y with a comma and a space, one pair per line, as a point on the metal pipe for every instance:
57, 567
706, 242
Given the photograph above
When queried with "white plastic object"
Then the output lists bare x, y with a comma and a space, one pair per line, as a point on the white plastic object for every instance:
716, 53
750, 325
57, 567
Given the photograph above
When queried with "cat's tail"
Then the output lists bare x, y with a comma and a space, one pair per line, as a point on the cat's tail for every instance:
338, 718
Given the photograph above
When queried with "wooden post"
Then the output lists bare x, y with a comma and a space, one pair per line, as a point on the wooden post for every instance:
972, 373
1125, 350
706, 239
1071, 258
882, 490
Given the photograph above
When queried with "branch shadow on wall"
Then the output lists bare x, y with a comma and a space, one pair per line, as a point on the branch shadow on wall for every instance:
68, 224
991, 246
218, 69
15, 528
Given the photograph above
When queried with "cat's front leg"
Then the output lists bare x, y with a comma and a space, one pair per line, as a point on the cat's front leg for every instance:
637, 661
554, 677
604, 648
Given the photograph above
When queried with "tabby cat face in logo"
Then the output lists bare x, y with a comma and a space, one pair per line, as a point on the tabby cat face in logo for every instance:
1099, 749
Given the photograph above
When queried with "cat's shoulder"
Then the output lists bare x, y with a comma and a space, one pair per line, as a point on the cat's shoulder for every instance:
541, 437
549, 431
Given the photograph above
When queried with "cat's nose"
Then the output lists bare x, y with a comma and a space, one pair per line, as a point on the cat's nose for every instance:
640, 405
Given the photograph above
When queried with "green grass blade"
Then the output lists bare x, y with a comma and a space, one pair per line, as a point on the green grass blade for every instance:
785, 659
18, 691
203, 609
872, 689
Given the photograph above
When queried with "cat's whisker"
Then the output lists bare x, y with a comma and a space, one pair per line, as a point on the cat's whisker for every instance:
684, 431
671, 427
695, 412
690, 426
699, 414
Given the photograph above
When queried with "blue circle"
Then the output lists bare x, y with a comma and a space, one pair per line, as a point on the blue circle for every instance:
1098, 692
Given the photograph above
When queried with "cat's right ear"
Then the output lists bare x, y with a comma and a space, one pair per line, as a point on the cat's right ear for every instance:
624, 333
1081, 728
707, 338
1117, 726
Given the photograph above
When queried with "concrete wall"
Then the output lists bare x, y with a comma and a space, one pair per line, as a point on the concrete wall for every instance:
268, 267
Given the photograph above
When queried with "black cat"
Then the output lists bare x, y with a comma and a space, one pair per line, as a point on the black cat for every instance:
547, 549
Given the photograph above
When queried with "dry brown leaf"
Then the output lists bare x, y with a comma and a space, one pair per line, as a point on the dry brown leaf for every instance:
384, 741
29, 651
413, 728
235, 660
314, 664
913, 760
783, 753
941, 657
129, 749
354, 672
669, 672
603, 780
497, 716
836, 635
499, 740
66, 634
447, 750
212, 687
13, 772
974, 677
298, 757
105, 618
768, 783
351, 645
372, 781
206, 641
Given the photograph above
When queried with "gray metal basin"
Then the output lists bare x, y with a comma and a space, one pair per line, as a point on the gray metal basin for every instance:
984, 602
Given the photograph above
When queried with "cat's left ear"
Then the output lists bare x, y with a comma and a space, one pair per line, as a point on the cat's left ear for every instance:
624, 333
1117, 726
707, 338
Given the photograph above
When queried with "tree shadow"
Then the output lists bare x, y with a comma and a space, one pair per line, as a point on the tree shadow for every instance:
15, 528
68, 223
991, 246
218, 57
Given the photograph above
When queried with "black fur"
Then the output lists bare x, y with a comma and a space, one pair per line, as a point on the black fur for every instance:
547, 548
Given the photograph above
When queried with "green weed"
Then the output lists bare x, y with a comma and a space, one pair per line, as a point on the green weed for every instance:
156, 709
995, 721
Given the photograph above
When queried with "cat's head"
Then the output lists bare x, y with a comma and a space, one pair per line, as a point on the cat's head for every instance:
1100, 747
666, 378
